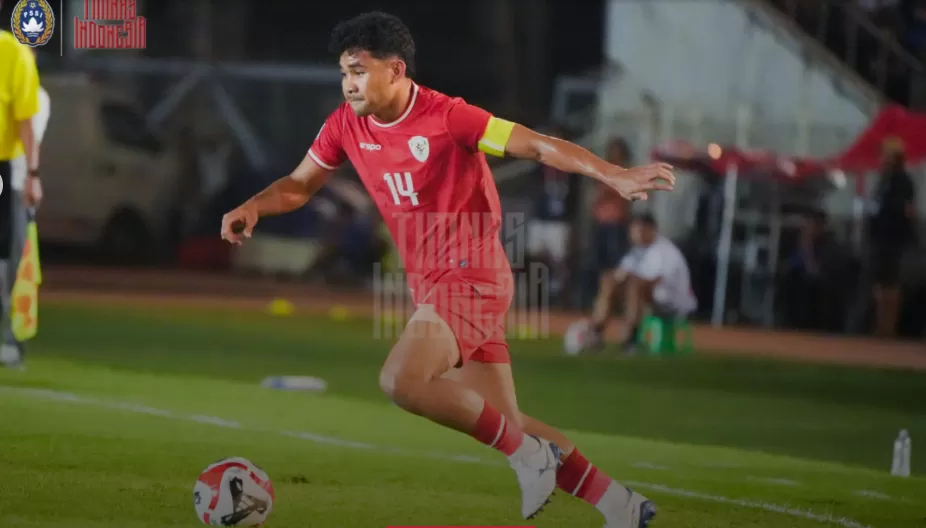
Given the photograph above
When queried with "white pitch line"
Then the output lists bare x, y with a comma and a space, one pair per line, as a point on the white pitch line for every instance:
776, 481
719, 465
794, 512
214, 420
330, 440
649, 465
873, 494
322, 439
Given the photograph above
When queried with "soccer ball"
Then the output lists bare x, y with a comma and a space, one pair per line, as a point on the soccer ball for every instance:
233, 492
577, 337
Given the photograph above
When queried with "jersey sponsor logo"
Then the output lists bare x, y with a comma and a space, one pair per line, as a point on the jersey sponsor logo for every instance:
371, 147
420, 148
33, 22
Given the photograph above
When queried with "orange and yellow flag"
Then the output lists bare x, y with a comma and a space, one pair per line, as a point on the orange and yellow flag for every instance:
24, 311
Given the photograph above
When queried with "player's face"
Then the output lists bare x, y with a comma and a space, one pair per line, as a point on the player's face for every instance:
366, 81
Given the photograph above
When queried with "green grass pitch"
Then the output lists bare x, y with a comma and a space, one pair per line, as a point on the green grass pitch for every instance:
121, 407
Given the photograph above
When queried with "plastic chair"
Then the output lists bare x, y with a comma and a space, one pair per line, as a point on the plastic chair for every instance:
662, 336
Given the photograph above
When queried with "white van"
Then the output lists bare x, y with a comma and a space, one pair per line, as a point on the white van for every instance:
107, 178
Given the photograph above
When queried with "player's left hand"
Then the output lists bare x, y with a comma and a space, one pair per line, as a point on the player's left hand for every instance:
636, 182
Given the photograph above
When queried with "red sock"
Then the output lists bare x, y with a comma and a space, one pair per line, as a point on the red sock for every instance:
580, 478
494, 430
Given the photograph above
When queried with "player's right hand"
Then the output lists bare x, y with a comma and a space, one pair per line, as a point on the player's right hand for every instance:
238, 224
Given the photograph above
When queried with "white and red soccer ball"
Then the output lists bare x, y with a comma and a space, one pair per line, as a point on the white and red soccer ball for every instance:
233, 492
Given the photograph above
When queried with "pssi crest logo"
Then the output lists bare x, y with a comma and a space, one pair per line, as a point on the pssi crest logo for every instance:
33, 22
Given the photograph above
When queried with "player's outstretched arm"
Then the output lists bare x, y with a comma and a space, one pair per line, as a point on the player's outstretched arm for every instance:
473, 127
282, 196
631, 183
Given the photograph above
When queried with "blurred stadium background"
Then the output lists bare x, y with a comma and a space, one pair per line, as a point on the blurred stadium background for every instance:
154, 336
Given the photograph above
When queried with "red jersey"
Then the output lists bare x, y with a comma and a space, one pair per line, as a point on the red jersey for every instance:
428, 175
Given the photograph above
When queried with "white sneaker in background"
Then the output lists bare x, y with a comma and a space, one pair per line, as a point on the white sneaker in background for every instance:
10, 356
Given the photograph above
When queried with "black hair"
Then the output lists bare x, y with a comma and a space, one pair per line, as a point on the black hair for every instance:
646, 219
381, 34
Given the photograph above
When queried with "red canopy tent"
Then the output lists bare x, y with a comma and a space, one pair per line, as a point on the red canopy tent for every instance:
719, 160
893, 124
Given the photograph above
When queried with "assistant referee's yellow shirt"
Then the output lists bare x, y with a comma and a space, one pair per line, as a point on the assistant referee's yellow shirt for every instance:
19, 92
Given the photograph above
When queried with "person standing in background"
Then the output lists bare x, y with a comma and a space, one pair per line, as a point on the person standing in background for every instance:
610, 240
891, 233
917, 34
19, 169
814, 277
549, 232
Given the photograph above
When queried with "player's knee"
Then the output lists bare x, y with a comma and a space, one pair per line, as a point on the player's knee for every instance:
387, 382
401, 387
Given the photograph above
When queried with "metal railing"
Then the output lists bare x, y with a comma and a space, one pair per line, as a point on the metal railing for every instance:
273, 110
872, 51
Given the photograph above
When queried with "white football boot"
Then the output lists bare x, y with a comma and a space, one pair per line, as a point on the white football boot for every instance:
535, 464
635, 512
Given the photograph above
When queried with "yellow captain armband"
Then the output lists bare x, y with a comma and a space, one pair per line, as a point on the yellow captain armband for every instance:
495, 138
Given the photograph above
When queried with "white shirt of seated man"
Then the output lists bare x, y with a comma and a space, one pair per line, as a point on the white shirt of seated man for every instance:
663, 261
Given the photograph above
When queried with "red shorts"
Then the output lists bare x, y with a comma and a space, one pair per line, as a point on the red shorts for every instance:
475, 308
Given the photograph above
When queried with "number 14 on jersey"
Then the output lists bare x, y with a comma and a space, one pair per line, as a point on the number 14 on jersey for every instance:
401, 186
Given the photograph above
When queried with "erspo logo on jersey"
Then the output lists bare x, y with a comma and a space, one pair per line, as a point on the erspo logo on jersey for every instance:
110, 24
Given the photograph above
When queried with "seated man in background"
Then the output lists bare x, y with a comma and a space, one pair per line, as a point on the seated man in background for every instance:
655, 278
